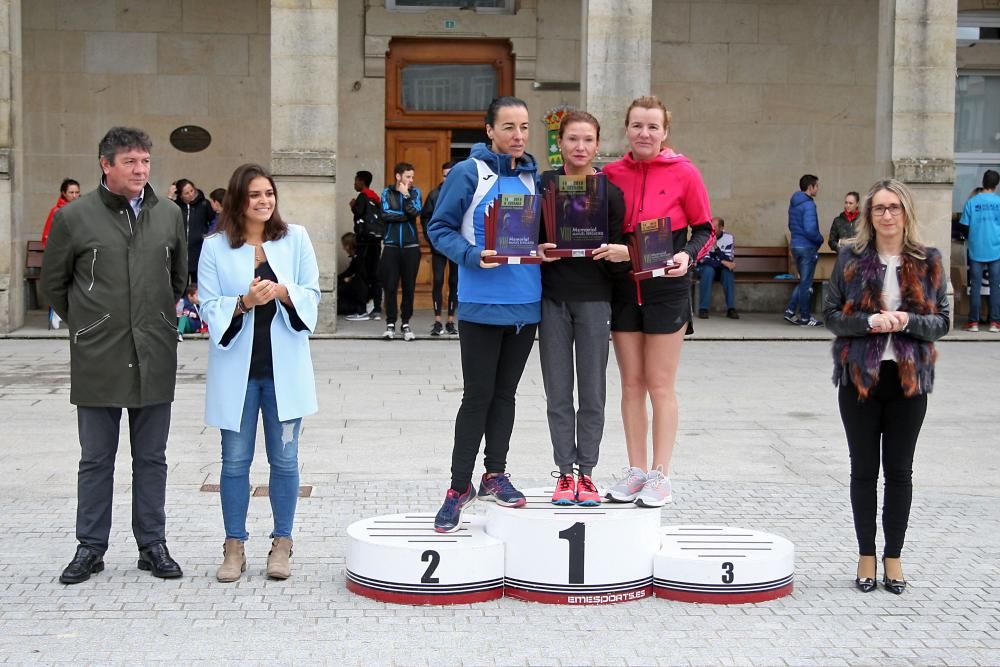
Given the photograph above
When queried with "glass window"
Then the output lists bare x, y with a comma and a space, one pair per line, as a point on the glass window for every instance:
448, 87
977, 119
494, 6
977, 132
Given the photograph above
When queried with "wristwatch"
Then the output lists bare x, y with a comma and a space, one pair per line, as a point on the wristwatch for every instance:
871, 321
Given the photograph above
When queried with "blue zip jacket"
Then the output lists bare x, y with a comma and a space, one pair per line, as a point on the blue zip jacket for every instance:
508, 294
399, 214
803, 223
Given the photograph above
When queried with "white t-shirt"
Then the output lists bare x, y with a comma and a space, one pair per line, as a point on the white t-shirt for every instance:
891, 296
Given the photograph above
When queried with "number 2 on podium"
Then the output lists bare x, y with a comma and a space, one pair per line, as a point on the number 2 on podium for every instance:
576, 535
435, 560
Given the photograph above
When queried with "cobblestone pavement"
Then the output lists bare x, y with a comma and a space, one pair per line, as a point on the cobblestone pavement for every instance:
760, 446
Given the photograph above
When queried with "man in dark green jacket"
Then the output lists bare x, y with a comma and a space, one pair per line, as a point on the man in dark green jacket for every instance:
115, 266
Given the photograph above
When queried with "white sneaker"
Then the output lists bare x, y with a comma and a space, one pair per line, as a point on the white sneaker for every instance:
627, 489
357, 317
369, 307
657, 491
390, 332
408, 333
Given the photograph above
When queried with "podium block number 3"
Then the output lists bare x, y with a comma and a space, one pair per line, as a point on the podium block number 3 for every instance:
435, 560
727, 573
576, 535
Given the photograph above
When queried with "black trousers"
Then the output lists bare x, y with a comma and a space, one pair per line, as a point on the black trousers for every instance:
399, 265
884, 426
351, 296
370, 253
148, 428
438, 263
493, 358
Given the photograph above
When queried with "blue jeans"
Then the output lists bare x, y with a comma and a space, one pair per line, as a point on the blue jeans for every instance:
706, 275
976, 270
805, 262
281, 440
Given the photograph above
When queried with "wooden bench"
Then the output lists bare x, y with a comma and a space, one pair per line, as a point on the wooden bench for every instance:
33, 271
760, 264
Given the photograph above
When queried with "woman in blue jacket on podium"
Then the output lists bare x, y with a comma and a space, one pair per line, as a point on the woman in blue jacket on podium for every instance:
499, 307
260, 294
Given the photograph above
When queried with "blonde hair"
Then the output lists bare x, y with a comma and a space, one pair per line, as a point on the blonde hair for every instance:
649, 102
913, 245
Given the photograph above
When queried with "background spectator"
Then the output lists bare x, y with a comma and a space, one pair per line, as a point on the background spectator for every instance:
439, 263
363, 207
843, 224
803, 225
198, 216
982, 216
719, 263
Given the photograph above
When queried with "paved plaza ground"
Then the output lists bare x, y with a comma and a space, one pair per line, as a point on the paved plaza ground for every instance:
760, 446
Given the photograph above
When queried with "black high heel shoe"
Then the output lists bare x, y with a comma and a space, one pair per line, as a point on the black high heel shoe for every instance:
896, 586
866, 585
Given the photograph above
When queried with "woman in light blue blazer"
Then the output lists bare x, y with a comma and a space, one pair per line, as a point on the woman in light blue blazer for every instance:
259, 290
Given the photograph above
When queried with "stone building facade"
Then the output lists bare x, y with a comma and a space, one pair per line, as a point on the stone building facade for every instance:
761, 92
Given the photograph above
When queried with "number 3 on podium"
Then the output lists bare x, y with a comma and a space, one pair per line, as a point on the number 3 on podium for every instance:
576, 535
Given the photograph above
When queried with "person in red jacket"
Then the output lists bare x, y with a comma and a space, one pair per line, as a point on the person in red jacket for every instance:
657, 183
68, 191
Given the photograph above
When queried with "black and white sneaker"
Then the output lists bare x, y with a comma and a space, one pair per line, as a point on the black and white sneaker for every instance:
437, 329
390, 332
790, 317
451, 328
358, 317
811, 322
408, 333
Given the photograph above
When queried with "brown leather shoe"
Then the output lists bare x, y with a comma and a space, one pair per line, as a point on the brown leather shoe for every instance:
234, 561
277, 560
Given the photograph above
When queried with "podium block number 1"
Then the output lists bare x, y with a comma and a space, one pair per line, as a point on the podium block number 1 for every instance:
576, 535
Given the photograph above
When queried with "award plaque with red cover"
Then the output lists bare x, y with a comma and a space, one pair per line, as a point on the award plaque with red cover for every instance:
511, 229
651, 250
575, 211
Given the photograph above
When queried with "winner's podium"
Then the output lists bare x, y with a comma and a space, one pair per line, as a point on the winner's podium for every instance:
722, 565
399, 558
575, 555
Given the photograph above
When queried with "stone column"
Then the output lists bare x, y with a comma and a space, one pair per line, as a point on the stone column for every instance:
923, 111
12, 236
616, 53
304, 129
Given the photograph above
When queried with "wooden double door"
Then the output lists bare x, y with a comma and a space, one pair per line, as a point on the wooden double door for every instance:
436, 94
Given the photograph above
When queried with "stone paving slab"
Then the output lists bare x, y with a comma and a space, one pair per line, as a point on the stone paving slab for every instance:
760, 445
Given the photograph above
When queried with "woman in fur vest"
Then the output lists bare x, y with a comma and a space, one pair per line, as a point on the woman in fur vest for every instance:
887, 305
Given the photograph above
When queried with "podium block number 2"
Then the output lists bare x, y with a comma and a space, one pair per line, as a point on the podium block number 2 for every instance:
576, 535
435, 560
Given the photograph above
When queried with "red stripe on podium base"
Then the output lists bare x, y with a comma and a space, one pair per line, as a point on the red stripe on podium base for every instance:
586, 599
722, 598
424, 598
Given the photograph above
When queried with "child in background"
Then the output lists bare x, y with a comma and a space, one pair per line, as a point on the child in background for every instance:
188, 317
